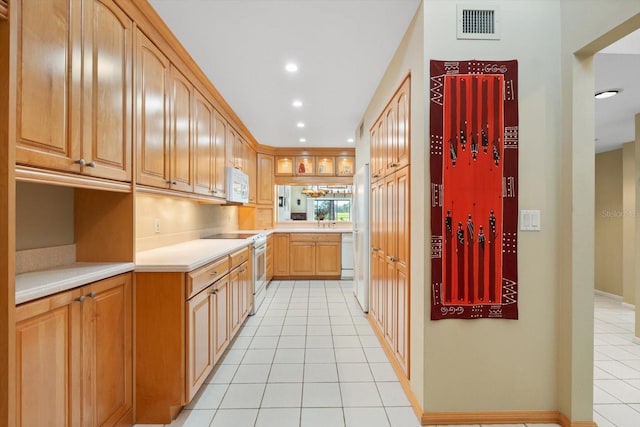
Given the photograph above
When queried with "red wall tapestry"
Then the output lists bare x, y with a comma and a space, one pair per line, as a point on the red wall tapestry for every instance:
474, 189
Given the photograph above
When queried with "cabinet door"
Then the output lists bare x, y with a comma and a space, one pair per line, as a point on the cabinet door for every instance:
234, 149
328, 258
107, 95
107, 343
281, 255
302, 259
403, 108
344, 166
152, 145
401, 257
235, 301
219, 156
203, 161
222, 307
246, 285
200, 335
269, 258
391, 140
265, 179
48, 84
250, 168
48, 361
180, 151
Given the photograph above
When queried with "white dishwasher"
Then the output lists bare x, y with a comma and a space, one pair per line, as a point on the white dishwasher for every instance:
347, 255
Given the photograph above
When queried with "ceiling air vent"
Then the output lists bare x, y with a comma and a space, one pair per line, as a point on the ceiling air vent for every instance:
478, 22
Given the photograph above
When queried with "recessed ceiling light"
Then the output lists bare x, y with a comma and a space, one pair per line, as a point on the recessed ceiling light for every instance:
297, 103
350, 140
291, 67
300, 125
303, 140
607, 93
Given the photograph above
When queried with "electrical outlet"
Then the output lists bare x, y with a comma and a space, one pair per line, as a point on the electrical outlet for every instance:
156, 225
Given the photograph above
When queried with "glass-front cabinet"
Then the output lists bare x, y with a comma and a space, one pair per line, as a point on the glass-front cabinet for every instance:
345, 165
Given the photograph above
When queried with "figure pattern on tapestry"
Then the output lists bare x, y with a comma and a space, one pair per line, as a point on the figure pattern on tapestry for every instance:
474, 187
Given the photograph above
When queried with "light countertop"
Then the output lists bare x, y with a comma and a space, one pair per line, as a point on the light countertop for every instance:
38, 284
186, 256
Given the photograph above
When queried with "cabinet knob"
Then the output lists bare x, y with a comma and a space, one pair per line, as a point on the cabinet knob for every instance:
213, 273
393, 165
80, 298
393, 259
375, 249
91, 294
171, 182
213, 292
91, 164
81, 162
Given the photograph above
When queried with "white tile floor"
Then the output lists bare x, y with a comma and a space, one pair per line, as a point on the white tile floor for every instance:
616, 371
309, 358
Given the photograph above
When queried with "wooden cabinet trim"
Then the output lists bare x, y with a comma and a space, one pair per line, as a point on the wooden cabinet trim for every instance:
199, 279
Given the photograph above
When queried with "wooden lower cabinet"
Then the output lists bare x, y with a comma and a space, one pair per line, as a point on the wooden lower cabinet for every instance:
315, 255
74, 357
269, 258
184, 324
281, 254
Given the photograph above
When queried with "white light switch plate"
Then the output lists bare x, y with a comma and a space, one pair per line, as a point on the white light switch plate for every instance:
529, 220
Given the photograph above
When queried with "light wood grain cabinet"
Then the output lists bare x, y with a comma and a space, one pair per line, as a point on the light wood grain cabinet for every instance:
152, 129
75, 90
250, 168
281, 254
74, 357
220, 132
269, 258
184, 323
265, 179
203, 139
315, 254
390, 225
180, 147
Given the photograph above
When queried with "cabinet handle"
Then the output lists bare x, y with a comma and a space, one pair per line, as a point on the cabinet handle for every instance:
81, 162
213, 292
91, 164
375, 249
393, 259
393, 165
214, 273
80, 298
214, 191
91, 294
171, 182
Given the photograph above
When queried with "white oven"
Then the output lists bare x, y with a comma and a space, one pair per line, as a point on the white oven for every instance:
259, 272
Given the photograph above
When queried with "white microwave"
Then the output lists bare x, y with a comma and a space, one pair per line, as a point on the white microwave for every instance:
237, 186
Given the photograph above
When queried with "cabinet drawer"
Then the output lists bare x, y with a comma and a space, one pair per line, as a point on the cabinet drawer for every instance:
315, 237
199, 279
239, 257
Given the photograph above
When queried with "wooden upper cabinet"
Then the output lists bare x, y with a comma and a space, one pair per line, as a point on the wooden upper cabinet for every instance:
234, 149
152, 124
4, 10
48, 79
75, 87
180, 154
108, 91
250, 168
220, 142
403, 108
325, 165
284, 166
265, 179
203, 161
391, 140
345, 166
305, 165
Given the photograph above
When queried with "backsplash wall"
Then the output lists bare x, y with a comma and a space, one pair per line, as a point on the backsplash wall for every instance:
179, 220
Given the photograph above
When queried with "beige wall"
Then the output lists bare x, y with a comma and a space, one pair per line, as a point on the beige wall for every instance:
180, 220
408, 59
609, 214
44, 216
514, 359
629, 223
587, 26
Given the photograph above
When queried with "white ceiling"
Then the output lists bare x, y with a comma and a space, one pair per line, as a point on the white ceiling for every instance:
342, 48
617, 67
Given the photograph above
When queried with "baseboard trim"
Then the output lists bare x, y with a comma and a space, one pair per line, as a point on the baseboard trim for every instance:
502, 417
404, 381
